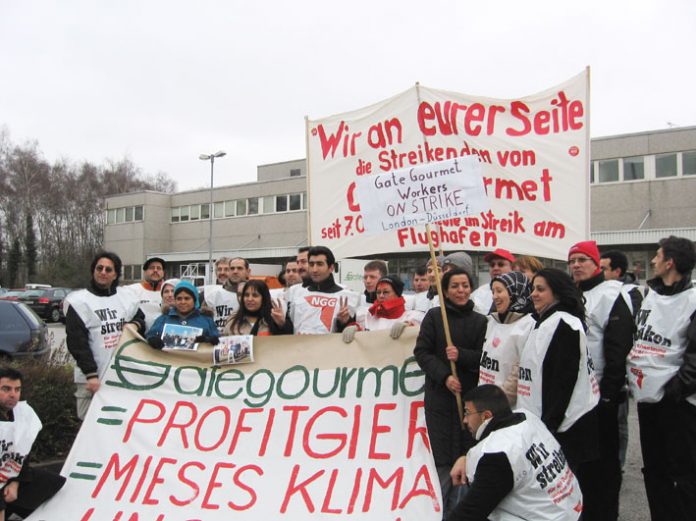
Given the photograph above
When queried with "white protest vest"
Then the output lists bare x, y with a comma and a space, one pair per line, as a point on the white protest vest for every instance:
659, 343
626, 294
149, 301
104, 318
16, 439
598, 303
483, 299
502, 349
314, 312
586, 392
222, 302
544, 489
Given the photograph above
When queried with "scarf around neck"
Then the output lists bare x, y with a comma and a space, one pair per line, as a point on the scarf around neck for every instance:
392, 308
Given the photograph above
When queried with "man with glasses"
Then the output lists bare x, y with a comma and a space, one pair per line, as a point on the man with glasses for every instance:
499, 261
94, 319
609, 339
516, 470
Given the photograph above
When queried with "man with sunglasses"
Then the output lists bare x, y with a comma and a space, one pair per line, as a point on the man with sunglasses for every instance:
94, 319
499, 261
609, 339
516, 470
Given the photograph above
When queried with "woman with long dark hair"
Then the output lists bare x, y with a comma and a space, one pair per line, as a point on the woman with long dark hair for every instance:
448, 439
556, 378
258, 314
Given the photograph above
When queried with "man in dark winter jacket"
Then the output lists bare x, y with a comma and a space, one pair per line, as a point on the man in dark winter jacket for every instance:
94, 320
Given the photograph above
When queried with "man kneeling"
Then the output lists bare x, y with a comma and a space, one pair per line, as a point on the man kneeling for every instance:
517, 470
22, 489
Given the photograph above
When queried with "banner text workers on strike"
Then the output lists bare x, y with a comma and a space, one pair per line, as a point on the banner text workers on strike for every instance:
421, 194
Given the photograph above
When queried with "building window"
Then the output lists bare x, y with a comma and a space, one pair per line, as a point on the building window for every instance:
281, 203
295, 172
132, 272
195, 212
253, 206
608, 171
241, 206
138, 213
229, 209
295, 202
205, 211
269, 204
665, 165
175, 215
184, 214
127, 214
633, 168
219, 210
111, 217
689, 163
304, 200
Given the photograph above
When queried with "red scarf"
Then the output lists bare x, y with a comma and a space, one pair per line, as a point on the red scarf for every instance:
392, 308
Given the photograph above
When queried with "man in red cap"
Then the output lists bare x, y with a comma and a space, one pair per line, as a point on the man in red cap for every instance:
609, 340
499, 261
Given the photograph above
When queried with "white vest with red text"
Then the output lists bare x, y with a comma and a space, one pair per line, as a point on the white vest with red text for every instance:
659, 343
598, 303
149, 301
222, 302
544, 488
586, 392
502, 349
16, 439
104, 318
314, 312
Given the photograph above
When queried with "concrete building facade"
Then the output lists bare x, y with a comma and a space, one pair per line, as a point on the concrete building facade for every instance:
643, 188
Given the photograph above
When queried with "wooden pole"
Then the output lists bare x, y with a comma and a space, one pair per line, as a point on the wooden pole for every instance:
445, 322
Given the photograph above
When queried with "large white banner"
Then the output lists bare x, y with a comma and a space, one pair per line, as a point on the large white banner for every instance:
312, 430
533, 151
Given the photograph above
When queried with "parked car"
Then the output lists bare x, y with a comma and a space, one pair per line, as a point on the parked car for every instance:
13, 294
22, 332
47, 303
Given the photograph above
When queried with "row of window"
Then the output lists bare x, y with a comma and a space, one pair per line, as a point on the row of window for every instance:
127, 214
659, 166
241, 207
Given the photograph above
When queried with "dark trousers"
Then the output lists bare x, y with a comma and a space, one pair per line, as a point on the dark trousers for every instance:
451, 495
30, 495
668, 444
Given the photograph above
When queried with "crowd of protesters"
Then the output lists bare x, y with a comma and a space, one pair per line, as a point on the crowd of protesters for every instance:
553, 354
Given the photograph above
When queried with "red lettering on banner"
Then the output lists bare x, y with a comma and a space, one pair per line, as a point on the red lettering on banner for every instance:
326, 505
295, 410
564, 116
252, 493
356, 488
373, 476
354, 432
379, 429
141, 480
446, 116
429, 490
294, 488
387, 133
240, 427
267, 433
137, 419
156, 480
223, 432
414, 430
341, 438
329, 144
213, 484
171, 422
193, 484
114, 465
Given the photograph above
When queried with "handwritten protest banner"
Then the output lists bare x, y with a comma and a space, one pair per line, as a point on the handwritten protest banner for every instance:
421, 195
533, 152
314, 429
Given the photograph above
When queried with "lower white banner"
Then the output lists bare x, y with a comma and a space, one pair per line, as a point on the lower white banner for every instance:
313, 429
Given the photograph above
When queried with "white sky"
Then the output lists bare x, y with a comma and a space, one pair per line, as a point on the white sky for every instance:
161, 81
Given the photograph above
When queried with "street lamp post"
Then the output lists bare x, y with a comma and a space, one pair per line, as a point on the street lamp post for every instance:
211, 158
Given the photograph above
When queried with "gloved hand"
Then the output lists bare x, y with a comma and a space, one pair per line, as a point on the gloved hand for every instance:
349, 334
207, 339
155, 342
397, 329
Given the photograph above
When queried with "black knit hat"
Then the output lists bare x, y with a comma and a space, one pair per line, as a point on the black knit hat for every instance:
395, 282
147, 263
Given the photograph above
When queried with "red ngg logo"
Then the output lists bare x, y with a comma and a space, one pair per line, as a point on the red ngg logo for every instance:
327, 305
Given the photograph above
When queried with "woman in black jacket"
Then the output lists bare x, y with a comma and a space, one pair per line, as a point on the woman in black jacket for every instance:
448, 439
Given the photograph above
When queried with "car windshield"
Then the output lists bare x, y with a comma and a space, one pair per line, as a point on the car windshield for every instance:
15, 293
29, 314
34, 293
